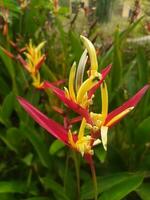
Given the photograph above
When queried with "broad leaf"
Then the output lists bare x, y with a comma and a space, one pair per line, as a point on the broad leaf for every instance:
55, 187
12, 187
110, 183
144, 191
38, 144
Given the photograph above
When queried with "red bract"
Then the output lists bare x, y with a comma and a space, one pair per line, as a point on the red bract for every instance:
104, 73
50, 125
128, 104
71, 104
79, 142
105, 120
78, 97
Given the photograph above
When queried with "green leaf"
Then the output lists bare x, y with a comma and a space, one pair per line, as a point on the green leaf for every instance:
63, 34
12, 187
7, 142
4, 86
124, 34
142, 67
7, 107
142, 133
38, 198
55, 147
8, 64
108, 184
55, 187
144, 191
122, 189
7, 196
76, 46
28, 159
11, 5
47, 73
12, 134
38, 144
116, 72
101, 153
105, 59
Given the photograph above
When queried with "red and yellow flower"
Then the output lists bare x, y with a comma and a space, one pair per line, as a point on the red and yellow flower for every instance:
78, 97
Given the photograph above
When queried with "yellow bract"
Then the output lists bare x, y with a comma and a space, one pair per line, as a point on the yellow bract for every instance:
119, 116
34, 56
104, 94
85, 87
92, 53
83, 143
34, 60
80, 95
71, 81
78, 92
99, 119
36, 80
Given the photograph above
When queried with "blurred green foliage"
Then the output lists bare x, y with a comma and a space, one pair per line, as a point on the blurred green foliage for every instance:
35, 167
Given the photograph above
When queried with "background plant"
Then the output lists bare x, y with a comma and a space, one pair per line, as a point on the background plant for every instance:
33, 165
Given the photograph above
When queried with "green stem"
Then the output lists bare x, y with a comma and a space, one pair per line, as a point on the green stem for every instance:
77, 167
66, 172
94, 179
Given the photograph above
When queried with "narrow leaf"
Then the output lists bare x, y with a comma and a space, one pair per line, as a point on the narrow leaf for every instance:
38, 144
55, 187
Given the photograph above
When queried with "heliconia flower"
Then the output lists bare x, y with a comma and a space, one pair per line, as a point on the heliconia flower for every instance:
71, 104
106, 120
80, 142
77, 88
76, 107
79, 94
34, 61
35, 58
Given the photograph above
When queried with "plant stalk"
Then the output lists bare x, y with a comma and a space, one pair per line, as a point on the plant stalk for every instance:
94, 179
77, 167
